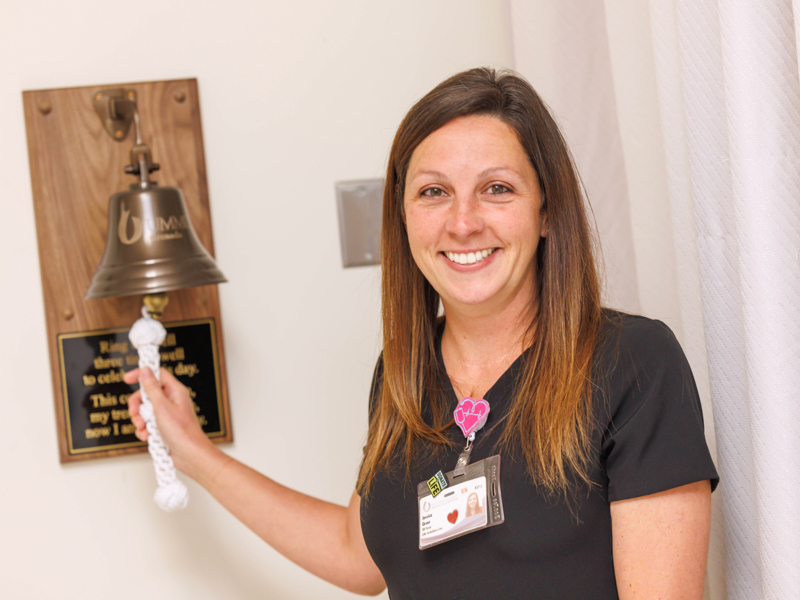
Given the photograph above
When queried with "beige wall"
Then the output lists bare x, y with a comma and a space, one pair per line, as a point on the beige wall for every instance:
292, 99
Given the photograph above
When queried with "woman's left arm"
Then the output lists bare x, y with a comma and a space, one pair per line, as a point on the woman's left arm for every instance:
661, 543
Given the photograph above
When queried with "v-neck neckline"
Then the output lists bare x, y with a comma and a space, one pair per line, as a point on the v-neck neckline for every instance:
499, 391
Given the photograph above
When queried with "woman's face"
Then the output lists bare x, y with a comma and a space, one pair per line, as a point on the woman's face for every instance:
472, 210
472, 501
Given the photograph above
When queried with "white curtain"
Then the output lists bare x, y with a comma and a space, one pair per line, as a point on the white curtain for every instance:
685, 119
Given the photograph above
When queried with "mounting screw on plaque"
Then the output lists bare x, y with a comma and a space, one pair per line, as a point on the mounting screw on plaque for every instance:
360, 206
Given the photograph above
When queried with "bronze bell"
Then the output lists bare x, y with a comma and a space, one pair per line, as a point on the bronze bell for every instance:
151, 245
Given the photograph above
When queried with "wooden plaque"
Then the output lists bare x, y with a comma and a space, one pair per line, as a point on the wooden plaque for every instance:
75, 166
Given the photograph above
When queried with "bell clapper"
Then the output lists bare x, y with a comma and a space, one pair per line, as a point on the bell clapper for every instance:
155, 304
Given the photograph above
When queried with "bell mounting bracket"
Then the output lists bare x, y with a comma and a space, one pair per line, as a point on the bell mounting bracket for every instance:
117, 109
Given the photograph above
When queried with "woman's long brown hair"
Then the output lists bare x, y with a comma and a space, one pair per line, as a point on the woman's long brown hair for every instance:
550, 420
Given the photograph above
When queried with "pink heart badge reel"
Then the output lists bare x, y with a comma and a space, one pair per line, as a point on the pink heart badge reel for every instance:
470, 415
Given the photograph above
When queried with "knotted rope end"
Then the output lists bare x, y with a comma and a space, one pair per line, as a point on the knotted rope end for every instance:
171, 497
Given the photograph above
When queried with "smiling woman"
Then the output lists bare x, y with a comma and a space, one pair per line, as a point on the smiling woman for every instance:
595, 413
605, 475
472, 206
472, 168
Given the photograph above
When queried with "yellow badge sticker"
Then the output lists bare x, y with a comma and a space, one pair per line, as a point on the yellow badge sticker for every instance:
437, 483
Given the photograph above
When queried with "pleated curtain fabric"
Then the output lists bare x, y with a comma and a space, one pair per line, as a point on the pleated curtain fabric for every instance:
728, 119
741, 102
562, 48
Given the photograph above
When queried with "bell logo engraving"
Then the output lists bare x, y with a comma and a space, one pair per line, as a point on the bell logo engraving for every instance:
122, 230
153, 230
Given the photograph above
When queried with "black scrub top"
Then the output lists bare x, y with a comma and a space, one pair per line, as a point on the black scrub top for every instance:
648, 438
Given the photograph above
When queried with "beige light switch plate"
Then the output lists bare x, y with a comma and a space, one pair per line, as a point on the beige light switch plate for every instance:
359, 206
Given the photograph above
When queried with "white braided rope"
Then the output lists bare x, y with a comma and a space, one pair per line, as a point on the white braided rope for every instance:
146, 335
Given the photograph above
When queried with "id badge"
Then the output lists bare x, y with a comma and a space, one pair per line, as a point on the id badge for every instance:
467, 503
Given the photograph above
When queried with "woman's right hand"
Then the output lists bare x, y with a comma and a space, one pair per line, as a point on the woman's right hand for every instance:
175, 415
322, 537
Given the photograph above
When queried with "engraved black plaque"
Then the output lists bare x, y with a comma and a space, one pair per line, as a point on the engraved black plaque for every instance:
96, 398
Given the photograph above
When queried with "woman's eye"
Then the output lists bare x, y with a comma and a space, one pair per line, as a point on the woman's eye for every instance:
433, 192
498, 189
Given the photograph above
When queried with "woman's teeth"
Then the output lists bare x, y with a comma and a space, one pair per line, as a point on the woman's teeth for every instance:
468, 258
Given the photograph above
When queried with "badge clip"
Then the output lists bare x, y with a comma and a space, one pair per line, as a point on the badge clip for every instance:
463, 458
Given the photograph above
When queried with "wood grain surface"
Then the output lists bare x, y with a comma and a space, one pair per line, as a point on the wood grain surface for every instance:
75, 167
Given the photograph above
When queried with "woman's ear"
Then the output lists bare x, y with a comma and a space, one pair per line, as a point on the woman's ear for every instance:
544, 226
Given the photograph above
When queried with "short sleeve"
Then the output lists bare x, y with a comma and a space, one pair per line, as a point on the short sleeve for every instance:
653, 438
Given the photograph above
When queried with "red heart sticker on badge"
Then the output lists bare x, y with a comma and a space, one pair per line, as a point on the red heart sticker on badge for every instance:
453, 516
470, 415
